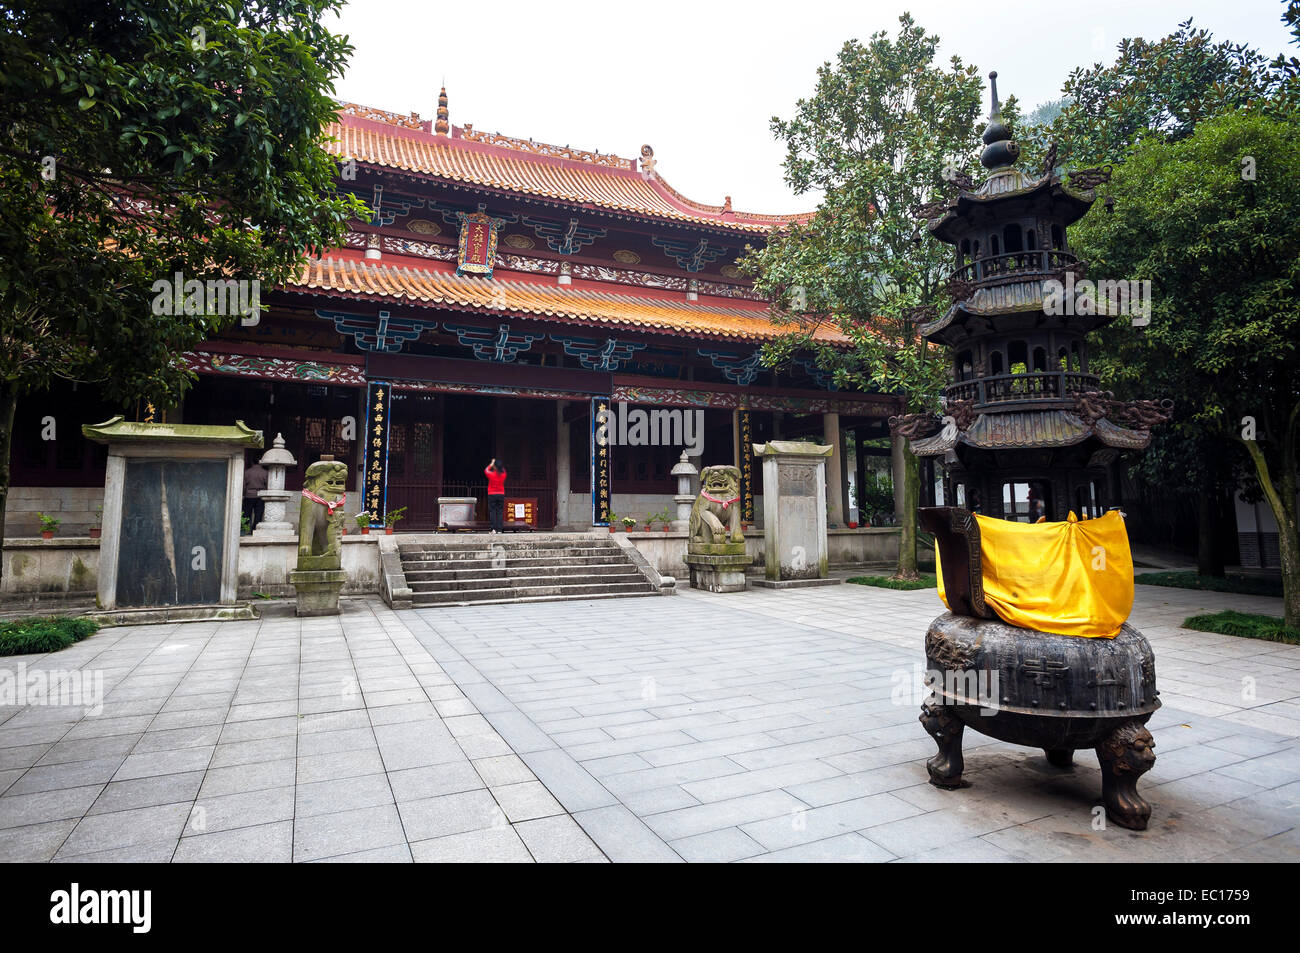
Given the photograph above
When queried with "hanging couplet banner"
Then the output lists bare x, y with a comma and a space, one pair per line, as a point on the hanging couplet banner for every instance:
746, 467
375, 494
477, 252
601, 445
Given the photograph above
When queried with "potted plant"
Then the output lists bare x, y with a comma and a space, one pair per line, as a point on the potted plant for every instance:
99, 519
612, 520
48, 525
391, 518
363, 523
628, 522
666, 518
649, 521
853, 524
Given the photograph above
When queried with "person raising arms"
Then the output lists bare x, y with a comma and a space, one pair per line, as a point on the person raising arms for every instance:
496, 494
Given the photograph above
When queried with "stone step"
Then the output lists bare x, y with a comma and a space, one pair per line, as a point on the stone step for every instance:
526, 599
531, 592
598, 570
486, 562
485, 569
486, 553
480, 541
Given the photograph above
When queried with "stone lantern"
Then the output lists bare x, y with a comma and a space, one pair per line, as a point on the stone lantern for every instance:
683, 470
275, 496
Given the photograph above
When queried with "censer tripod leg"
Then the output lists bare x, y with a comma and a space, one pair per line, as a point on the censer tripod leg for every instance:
946, 729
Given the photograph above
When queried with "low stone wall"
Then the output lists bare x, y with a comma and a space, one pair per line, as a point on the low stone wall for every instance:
264, 566
864, 546
69, 566
848, 548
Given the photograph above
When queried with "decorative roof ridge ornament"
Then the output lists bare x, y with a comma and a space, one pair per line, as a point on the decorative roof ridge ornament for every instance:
386, 116
1049, 160
1085, 180
470, 134
443, 124
1094, 405
1000, 150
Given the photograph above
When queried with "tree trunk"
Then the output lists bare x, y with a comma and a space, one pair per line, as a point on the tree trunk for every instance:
907, 519
1209, 554
8, 404
1289, 548
1281, 500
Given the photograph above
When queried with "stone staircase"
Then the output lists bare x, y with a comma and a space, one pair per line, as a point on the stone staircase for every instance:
478, 569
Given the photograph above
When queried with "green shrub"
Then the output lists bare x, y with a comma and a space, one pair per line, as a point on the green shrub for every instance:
1245, 625
876, 497
927, 581
1245, 585
34, 635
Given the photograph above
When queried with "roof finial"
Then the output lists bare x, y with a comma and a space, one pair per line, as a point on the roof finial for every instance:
999, 150
442, 126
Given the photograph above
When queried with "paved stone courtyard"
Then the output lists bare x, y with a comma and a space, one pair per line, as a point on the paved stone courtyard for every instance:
776, 726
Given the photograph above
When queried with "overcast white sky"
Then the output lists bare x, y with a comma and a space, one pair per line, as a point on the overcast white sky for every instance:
700, 80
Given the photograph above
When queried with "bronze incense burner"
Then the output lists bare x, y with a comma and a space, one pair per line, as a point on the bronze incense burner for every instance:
1055, 692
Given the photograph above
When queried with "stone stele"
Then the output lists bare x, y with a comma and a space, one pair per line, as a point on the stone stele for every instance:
794, 512
170, 546
320, 575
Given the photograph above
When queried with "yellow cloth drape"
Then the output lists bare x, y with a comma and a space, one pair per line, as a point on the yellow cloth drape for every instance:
1067, 578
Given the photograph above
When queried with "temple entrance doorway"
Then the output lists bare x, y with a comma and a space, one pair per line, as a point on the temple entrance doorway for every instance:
439, 445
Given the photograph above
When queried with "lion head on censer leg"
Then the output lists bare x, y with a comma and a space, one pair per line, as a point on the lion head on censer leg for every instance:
715, 515
320, 514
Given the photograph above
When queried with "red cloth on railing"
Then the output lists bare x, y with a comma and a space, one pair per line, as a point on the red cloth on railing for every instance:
496, 481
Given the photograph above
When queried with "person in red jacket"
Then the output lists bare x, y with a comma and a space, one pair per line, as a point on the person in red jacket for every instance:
496, 494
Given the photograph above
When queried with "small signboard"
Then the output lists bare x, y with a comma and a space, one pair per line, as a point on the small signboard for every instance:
522, 510
477, 250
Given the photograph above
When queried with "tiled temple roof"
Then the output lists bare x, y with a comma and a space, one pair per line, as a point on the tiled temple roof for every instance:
436, 287
1031, 429
380, 138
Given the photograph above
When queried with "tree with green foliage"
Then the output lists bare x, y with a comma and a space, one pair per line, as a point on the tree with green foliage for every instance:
143, 140
1288, 67
1159, 92
1161, 88
1211, 219
887, 128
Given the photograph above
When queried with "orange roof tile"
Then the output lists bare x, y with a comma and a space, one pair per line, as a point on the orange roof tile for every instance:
385, 139
436, 288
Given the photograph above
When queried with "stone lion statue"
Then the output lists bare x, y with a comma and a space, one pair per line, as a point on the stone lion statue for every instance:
320, 514
715, 515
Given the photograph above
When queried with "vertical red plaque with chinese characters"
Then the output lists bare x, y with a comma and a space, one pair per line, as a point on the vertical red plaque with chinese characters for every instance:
477, 250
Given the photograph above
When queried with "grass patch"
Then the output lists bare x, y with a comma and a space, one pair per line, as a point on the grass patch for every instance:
1247, 625
926, 581
1244, 585
39, 634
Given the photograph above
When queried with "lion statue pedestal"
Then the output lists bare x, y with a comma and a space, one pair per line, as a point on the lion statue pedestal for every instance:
715, 548
320, 576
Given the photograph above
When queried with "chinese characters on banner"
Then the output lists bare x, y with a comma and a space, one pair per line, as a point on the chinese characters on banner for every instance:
746, 467
378, 396
477, 251
600, 464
